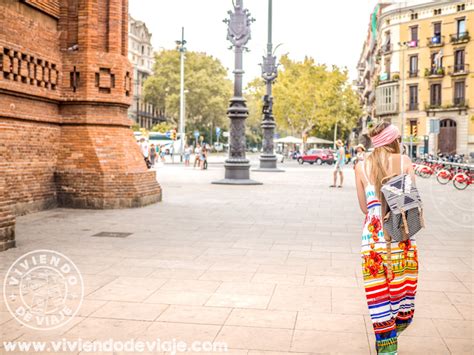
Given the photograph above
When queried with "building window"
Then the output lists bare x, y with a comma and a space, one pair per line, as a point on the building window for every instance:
461, 7
437, 29
413, 66
143, 49
413, 36
413, 128
435, 95
437, 12
414, 16
461, 27
413, 97
459, 58
436, 62
459, 93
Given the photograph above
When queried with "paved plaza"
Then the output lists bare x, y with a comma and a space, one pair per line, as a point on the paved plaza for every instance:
267, 269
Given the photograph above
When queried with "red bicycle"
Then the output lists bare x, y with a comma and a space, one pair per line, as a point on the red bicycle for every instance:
462, 179
445, 175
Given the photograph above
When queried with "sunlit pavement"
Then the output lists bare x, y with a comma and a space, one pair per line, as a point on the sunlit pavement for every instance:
270, 268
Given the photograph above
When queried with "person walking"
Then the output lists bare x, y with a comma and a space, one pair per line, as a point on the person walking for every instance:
152, 155
197, 156
340, 161
390, 268
203, 158
162, 154
187, 154
360, 154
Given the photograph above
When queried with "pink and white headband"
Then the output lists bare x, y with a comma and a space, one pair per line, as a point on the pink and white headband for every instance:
387, 136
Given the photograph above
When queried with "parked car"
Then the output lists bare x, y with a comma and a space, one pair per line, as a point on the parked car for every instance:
318, 156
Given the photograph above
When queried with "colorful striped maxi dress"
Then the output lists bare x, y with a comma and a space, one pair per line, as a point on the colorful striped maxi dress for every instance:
390, 296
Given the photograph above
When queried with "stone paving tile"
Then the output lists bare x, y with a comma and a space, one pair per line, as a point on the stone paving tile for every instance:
454, 328
301, 298
460, 346
430, 345
189, 333
104, 329
285, 279
262, 318
127, 289
238, 301
313, 341
246, 288
129, 311
179, 297
329, 322
256, 338
195, 314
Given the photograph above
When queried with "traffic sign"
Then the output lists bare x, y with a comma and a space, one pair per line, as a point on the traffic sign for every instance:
168, 134
196, 134
218, 131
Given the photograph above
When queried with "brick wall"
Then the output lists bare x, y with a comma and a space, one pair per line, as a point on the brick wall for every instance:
65, 85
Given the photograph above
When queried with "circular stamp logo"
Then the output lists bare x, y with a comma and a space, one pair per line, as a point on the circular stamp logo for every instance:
43, 289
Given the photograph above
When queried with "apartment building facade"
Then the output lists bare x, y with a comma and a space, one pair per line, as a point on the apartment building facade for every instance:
423, 74
141, 55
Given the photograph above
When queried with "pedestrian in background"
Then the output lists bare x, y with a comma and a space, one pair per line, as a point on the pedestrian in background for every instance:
187, 154
152, 154
162, 154
390, 268
203, 157
360, 154
340, 161
197, 156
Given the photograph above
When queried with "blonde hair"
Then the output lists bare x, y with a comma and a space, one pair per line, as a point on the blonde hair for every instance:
339, 143
379, 162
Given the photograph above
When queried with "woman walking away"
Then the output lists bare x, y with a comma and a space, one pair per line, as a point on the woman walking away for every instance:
204, 158
390, 268
340, 161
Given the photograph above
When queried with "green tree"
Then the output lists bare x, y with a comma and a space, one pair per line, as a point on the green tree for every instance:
310, 98
208, 90
163, 127
254, 97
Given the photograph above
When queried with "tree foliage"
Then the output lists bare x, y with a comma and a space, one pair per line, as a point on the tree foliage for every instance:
310, 98
207, 90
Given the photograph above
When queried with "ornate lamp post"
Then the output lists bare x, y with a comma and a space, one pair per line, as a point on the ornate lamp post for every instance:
237, 166
268, 159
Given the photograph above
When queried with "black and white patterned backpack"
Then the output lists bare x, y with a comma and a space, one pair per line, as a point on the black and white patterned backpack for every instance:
404, 215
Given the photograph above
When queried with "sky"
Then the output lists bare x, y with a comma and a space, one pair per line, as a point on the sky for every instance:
332, 32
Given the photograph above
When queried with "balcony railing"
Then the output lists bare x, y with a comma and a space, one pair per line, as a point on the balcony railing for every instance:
413, 73
458, 69
435, 72
460, 102
436, 41
460, 37
386, 48
413, 43
412, 106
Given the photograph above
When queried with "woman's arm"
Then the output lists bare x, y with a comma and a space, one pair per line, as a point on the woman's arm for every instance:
360, 188
407, 163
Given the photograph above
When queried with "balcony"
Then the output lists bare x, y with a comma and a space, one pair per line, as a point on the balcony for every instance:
435, 72
413, 73
412, 106
386, 99
435, 41
386, 48
460, 102
461, 37
413, 43
458, 69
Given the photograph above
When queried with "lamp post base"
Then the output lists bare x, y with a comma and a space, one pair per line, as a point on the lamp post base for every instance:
237, 173
268, 163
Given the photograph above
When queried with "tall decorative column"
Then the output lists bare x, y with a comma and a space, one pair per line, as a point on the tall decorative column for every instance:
237, 166
268, 159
